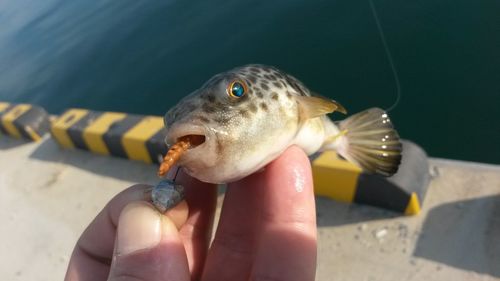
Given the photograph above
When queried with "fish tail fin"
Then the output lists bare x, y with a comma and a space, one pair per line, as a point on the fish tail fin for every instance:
369, 140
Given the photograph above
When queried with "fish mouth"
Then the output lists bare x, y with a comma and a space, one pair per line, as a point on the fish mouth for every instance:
201, 152
195, 135
194, 140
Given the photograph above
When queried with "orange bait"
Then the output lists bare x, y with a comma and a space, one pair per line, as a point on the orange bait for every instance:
177, 150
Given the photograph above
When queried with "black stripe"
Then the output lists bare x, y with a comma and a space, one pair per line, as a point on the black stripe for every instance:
377, 191
2, 129
75, 132
36, 118
113, 137
413, 173
156, 146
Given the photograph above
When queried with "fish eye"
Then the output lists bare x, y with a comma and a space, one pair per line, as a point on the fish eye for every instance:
237, 89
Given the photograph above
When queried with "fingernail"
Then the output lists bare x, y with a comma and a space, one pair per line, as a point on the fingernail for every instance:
139, 227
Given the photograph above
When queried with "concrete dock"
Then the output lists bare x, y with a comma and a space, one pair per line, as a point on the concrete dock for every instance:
49, 195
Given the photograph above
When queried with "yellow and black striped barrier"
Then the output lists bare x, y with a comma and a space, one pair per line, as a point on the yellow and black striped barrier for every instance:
135, 137
139, 137
346, 182
23, 121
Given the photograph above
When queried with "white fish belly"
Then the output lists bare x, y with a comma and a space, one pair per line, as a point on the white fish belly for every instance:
311, 135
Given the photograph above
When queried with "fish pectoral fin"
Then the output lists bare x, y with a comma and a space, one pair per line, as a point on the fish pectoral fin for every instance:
369, 140
339, 108
311, 107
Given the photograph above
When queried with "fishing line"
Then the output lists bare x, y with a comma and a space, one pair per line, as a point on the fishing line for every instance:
176, 173
389, 57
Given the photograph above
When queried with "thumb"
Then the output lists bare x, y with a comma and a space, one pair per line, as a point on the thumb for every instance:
148, 246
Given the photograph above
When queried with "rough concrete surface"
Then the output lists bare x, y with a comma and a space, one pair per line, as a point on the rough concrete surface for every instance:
49, 195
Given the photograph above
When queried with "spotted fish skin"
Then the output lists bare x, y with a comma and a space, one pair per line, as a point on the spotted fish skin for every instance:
244, 134
263, 82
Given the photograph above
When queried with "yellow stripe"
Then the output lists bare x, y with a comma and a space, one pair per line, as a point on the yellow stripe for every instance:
32, 133
9, 117
134, 141
413, 206
92, 135
63, 123
3, 106
334, 177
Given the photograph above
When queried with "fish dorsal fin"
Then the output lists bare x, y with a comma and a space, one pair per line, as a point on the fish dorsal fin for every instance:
316, 106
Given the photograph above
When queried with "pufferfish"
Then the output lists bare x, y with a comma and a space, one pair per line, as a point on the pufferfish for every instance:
242, 119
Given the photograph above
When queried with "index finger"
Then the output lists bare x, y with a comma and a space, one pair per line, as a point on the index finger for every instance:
267, 225
287, 232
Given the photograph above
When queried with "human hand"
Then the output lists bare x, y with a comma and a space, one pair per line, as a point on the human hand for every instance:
267, 231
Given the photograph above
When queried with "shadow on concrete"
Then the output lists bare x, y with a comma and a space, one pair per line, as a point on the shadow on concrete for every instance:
7, 142
114, 167
463, 234
333, 213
